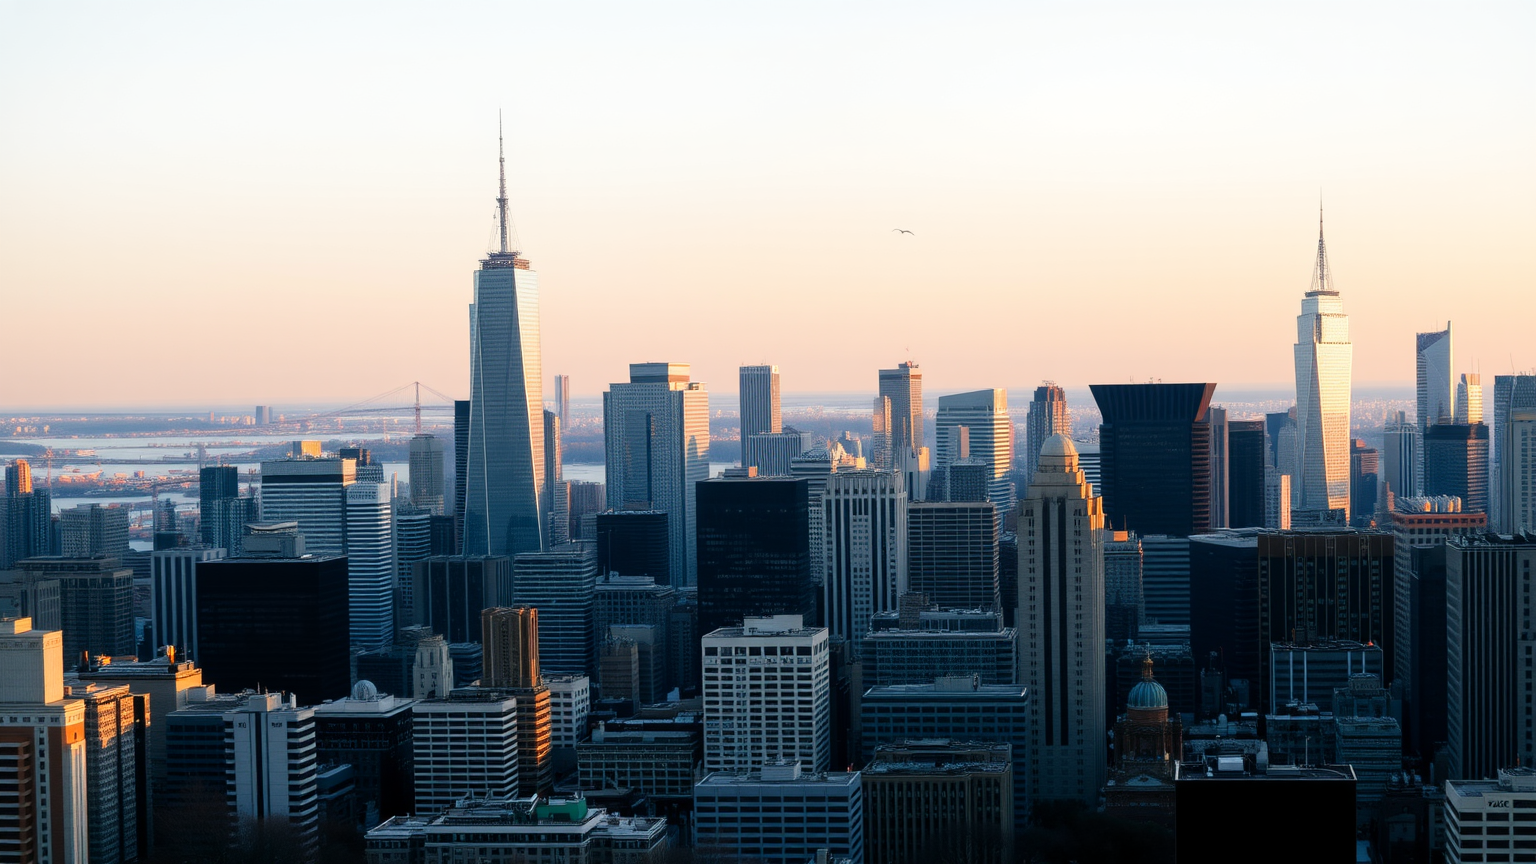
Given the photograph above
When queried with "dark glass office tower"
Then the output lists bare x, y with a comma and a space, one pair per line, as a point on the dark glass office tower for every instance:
1456, 463
1224, 603
460, 453
450, 592
952, 554
1246, 454
754, 550
275, 624
1155, 457
634, 543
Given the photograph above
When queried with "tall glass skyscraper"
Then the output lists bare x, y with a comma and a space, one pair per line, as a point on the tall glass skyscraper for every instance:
504, 508
1048, 415
760, 412
1324, 358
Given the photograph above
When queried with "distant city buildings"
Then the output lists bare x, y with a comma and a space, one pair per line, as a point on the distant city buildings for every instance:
760, 410
1048, 415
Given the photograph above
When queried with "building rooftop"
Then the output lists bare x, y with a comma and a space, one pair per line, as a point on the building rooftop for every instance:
789, 772
956, 687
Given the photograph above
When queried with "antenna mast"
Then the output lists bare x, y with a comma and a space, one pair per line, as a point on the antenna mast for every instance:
501, 200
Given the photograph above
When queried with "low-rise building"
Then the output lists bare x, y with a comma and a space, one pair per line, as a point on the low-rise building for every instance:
780, 814
510, 830
1491, 821
925, 798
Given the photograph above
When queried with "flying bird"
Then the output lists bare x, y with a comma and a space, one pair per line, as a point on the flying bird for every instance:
904, 231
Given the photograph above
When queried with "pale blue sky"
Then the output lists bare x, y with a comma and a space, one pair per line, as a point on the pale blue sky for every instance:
254, 203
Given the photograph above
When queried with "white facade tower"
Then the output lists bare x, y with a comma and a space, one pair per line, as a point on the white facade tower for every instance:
370, 565
767, 695
1324, 364
1061, 627
865, 530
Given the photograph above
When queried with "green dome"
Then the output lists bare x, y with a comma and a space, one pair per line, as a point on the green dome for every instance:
1147, 695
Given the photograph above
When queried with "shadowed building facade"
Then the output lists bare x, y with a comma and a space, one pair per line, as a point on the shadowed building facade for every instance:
1154, 457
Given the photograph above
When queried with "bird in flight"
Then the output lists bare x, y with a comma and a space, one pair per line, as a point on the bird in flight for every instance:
904, 231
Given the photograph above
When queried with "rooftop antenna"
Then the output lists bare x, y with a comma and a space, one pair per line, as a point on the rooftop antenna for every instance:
501, 200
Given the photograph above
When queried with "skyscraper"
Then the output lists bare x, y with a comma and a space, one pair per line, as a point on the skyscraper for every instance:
865, 531
91, 529
311, 492
1245, 473
1469, 398
754, 550
1324, 357
43, 790
505, 511
982, 416
1048, 415
952, 553
656, 446
510, 639
1514, 442
1154, 452
426, 467
782, 712
561, 584
1436, 384
759, 396
1061, 627
563, 400
904, 387
370, 565
1220, 455
173, 595
556, 493
1456, 463
1400, 457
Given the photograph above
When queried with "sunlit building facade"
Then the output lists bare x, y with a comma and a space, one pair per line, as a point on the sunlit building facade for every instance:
1324, 363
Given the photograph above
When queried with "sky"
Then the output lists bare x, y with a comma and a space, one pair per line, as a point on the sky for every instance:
244, 203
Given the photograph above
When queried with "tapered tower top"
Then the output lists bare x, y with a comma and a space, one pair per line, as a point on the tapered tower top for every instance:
506, 256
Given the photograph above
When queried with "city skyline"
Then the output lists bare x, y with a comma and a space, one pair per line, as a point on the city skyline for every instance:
1428, 189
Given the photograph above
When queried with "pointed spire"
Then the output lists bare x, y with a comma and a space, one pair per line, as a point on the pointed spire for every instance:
501, 200
1322, 279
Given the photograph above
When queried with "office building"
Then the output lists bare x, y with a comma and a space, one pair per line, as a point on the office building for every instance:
222, 513
173, 595
561, 584
276, 623
881, 456
1514, 444
760, 412
952, 553
772, 454
656, 446
520, 829
1216, 418
925, 798
1124, 603
1364, 482
586, 499
1400, 457
1277, 500
24, 595
117, 783
1469, 398
903, 386
1321, 584
90, 530
1061, 626
428, 488
1489, 592
960, 708
779, 814
95, 603
166, 682
44, 790
505, 511
1324, 357
754, 555
1309, 673
370, 564
450, 591
432, 672
563, 400
1245, 473
1165, 579
1456, 463
460, 456
26, 516
556, 492
658, 764
373, 732
1154, 452
413, 542
767, 695
312, 492
939, 643
510, 640
269, 755
1216, 793
1483, 816
464, 743
634, 543
865, 534
1436, 382
980, 420
570, 703
1048, 415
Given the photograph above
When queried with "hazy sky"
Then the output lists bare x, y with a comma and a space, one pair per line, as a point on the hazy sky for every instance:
284, 202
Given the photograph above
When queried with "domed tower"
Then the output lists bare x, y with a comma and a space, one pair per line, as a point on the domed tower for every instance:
1147, 744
